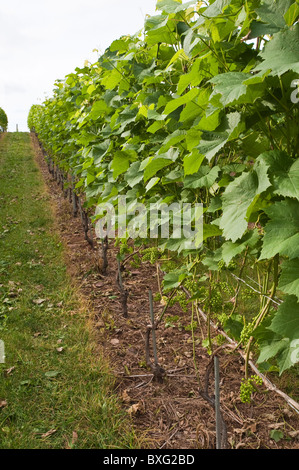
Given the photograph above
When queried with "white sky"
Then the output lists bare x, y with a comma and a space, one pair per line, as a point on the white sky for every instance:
44, 40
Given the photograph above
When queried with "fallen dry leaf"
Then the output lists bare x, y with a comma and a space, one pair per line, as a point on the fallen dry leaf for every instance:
74, 438
135, 409
276, 425
10, 370
3, 403
39, 301
100, 324
70, 444
126, 397
114, 341
253, 428
48, 433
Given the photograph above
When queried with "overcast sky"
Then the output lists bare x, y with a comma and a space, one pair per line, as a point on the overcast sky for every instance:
43, 40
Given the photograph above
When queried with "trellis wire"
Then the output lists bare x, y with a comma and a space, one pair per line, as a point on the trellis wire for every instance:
255, 290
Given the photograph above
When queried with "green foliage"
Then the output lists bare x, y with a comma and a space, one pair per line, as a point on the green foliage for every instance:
198, 109
285, 329
3, 120
34, 116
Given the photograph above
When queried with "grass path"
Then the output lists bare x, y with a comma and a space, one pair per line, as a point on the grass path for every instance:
56, 390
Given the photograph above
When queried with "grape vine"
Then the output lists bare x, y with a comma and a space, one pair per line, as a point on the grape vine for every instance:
199, 109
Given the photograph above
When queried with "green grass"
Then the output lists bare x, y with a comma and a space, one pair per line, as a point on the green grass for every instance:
69, 390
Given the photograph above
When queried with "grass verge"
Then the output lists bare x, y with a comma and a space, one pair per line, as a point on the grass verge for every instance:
56, 390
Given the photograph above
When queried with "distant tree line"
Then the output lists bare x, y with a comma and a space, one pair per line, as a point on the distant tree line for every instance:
3, 120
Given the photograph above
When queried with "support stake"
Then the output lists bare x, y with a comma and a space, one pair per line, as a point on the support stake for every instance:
217, 403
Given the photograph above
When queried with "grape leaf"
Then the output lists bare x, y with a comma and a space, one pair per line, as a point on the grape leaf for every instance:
282, 231
292, 14
158, 162
173, 139
280, 338
286, 320
238, 198
98, 109
281, 54
212, 142
289, 278
174, 278
193, 77
272, 12
120, 163
216, 8
177, 102
173, 6
205, 177
134, 175
272, 348
230, 249
283, 172
286, 324
152, 182
192, 162
233, 88
272, 16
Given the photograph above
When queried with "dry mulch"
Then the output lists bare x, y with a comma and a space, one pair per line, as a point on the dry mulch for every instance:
171, 414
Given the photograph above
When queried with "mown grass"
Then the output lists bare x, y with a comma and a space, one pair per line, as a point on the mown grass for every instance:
54, 378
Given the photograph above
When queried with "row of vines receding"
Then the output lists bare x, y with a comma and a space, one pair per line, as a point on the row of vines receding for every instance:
199, 108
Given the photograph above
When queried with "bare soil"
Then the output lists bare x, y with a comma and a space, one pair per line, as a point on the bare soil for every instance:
171, 414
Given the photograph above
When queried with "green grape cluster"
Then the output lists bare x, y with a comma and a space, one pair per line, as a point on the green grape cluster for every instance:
169, 265
180, 297
117, 242
247, 294
135, 262
232, 265
246, 332
192, 326
221, 264
216, 300
246, 390
220, 339
124, 248
191, 285
247, 387
222, 318
226, 288
151, 254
